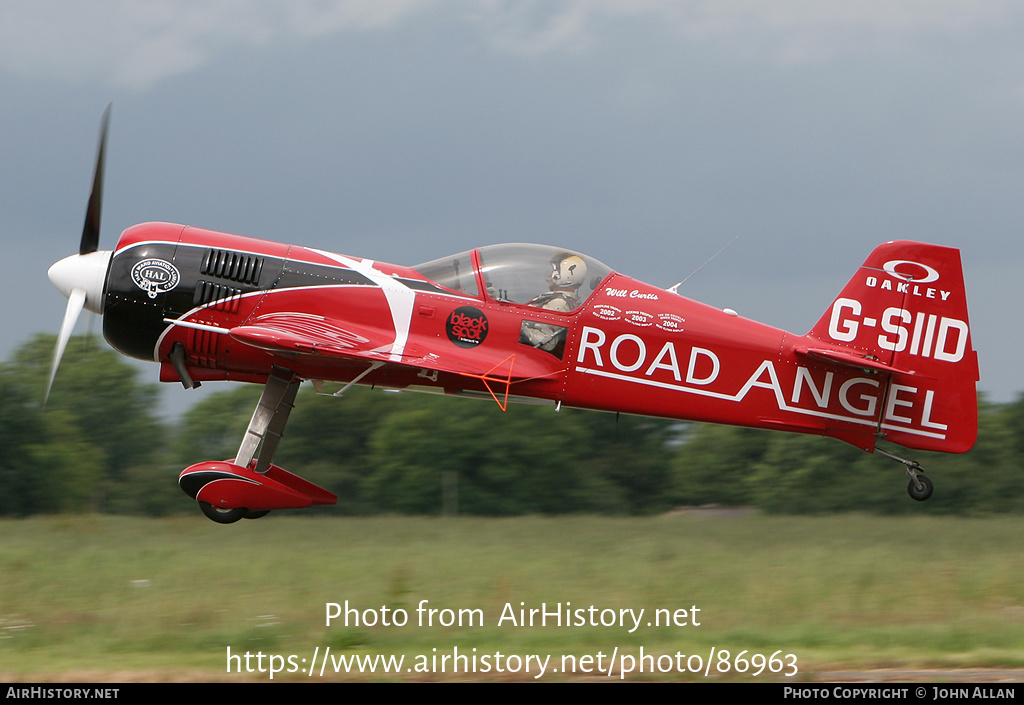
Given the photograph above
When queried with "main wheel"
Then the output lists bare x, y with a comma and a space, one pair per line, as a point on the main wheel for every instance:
223, 516
926, 488
257, 515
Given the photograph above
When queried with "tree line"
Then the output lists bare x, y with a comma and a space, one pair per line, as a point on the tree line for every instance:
102, 445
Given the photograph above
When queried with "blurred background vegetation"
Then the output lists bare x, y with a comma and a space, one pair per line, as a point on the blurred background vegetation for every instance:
102, 446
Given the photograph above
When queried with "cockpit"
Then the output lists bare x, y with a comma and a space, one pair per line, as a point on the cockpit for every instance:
534, 275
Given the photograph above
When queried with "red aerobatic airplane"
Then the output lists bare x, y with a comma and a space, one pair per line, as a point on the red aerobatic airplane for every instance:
890, 359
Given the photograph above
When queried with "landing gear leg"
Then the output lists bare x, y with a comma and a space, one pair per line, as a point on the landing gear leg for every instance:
263, 434
269, 419
249, 486
919, 487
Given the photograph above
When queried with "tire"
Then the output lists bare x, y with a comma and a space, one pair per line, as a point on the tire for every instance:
920, 494
222, 516
257, 515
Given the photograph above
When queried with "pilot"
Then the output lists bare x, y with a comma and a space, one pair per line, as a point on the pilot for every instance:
568, 272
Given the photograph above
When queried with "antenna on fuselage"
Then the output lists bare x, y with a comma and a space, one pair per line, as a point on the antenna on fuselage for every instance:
674, 288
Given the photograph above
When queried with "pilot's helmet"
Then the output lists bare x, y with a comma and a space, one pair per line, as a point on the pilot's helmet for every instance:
568, 272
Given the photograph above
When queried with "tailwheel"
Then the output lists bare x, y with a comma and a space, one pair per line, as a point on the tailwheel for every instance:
223, 516
920, 487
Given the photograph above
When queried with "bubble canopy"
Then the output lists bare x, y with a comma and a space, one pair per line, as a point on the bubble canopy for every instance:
517, 272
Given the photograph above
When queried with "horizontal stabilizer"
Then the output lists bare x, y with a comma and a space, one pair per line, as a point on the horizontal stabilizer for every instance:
839, 357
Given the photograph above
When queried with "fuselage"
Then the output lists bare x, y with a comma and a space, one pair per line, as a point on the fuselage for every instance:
626, 346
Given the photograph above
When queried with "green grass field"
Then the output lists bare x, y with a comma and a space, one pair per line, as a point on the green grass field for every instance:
103, 598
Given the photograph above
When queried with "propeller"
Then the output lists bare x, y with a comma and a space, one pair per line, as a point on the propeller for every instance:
81, 277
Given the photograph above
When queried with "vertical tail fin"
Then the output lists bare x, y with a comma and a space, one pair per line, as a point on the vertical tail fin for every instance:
904, 315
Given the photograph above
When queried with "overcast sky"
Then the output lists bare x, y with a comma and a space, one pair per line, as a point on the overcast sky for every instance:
647, 134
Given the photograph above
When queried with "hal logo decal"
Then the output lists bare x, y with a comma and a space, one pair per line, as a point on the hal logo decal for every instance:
466, 326
155, 276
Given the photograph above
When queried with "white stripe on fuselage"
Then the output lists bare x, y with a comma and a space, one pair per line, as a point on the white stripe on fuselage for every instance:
400, 298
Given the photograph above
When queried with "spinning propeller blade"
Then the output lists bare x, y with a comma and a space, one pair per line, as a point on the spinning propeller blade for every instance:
91, 229
76, 301
81, 277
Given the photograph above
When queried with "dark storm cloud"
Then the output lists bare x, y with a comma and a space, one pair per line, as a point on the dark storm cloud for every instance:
646, 133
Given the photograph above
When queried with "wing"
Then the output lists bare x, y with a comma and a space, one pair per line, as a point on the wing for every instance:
307, 334
294, 333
